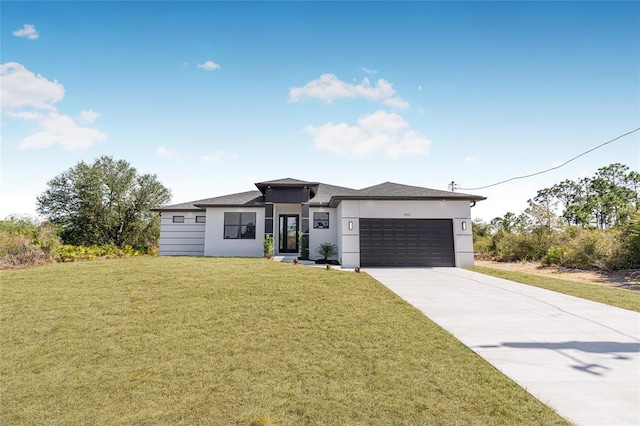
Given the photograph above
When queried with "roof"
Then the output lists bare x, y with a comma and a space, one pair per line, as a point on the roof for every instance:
288, 182
326, 192
325, 195
396, 191
247, 199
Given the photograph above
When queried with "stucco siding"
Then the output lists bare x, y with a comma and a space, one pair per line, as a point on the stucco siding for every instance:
319, 236
181, 239
216, 245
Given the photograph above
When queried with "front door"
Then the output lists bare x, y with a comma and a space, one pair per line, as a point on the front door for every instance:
288, 233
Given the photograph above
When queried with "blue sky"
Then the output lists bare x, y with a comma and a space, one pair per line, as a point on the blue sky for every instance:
214, 96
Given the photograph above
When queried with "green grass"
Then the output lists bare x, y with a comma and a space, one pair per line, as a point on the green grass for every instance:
622, 298
235, 341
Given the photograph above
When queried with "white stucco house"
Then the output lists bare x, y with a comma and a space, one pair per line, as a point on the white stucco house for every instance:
382, 225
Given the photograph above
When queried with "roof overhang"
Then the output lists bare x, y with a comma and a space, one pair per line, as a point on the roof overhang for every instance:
338, 198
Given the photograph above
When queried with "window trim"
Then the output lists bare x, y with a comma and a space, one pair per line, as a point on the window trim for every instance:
316, 222
203, 219
177, 219
246, 224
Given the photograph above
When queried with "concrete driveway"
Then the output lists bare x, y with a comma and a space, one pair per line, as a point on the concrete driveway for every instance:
582, 358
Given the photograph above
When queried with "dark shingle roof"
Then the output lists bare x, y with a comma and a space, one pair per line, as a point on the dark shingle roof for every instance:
327, 195
326, 192
246, 199
398, 190
286, 181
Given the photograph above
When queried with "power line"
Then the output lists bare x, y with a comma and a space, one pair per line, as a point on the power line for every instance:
552, 168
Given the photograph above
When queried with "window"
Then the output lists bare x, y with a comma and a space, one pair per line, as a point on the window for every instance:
240, 226
178, 219
321, 220
201, 219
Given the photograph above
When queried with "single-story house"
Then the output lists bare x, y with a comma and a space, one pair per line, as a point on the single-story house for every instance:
382, 225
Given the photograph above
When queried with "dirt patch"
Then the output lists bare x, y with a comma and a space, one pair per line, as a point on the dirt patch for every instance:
628, 279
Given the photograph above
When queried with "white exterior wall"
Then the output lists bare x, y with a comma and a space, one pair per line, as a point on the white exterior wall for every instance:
353, 210
181, 239
350, 238
319, 236
216, 245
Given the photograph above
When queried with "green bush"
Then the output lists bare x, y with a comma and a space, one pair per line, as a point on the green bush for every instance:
589, 249
511, 247
71, 253
268, 246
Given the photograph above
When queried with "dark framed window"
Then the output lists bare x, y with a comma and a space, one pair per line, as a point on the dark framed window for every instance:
239, 226
321, 220
178, 219
201, 219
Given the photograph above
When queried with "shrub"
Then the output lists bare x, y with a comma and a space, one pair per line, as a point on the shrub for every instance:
521, 247
18, 250
326, 250
268, 246
71, 253
589, 249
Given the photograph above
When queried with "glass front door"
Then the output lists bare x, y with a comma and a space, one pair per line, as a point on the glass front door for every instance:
288, 233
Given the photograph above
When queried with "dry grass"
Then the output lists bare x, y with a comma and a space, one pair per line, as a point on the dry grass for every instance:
234, 341
622, 298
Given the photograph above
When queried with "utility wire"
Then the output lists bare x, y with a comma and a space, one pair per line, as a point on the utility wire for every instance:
553, 168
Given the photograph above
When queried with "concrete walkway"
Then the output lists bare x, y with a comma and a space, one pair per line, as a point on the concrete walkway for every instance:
582, 358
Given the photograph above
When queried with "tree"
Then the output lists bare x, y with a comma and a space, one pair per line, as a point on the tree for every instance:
106, 202
542, 208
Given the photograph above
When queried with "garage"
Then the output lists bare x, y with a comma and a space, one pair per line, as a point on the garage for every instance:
406, 242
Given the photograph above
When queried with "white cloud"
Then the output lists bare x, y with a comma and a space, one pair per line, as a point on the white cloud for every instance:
470, 160
329, 88
88, 116
217, 156
27, 96
59, 129
369, 71
380, 132
164, 151
20, 87
28, 31
209, 66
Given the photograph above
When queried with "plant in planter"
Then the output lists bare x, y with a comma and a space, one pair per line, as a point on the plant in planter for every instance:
326, 250
268, 246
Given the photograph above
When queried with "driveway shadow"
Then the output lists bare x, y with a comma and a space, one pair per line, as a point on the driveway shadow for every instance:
616, 349
589, 347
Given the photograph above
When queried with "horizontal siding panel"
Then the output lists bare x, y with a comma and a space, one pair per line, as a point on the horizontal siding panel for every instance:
180, 248
185, 234
178, 227
181, 253
176, 241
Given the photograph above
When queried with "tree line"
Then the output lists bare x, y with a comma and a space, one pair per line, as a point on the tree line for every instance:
102, 208
593, 222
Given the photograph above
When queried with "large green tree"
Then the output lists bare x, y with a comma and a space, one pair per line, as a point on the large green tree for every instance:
106, 202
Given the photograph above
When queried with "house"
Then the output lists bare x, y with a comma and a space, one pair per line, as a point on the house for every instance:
382, 225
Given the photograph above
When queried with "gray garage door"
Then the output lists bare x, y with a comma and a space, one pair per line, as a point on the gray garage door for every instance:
406, 242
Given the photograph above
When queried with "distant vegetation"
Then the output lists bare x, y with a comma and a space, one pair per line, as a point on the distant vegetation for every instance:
92, 210
24, 241
592, 223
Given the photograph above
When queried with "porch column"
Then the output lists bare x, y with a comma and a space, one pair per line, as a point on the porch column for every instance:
304, 228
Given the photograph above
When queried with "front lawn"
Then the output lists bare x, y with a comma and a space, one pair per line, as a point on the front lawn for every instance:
622, 298
232, 341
